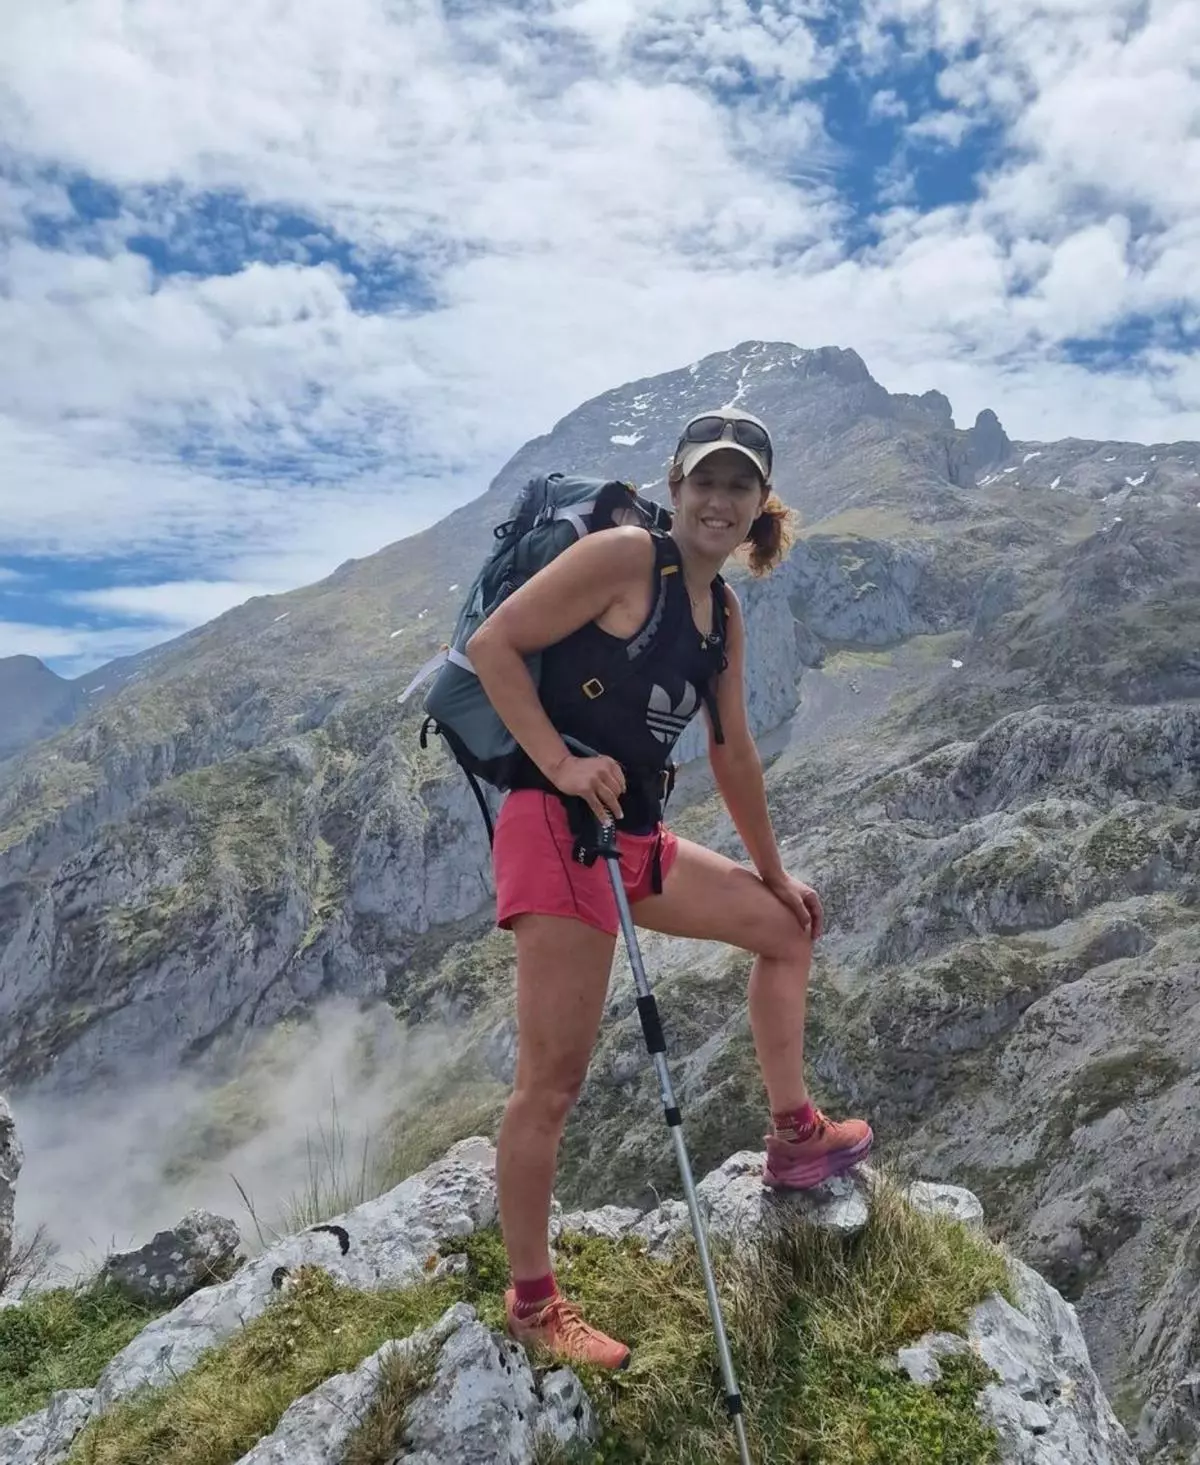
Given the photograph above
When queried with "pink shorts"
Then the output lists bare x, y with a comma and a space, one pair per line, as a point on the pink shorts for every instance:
535, 874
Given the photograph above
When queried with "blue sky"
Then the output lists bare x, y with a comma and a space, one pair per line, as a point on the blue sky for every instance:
282, 282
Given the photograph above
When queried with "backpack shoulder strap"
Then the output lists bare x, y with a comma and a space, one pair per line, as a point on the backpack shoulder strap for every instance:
721, 629
721, 615
668, 570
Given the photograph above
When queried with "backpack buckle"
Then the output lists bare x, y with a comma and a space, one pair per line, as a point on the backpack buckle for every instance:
592, 688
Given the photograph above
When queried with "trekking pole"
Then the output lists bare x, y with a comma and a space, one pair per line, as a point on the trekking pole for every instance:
606, 848
657, 1048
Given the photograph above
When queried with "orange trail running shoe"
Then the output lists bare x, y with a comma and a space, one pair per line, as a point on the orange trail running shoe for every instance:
559, 1327
831, 1149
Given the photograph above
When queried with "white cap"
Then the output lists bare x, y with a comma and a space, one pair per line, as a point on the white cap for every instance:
688, 455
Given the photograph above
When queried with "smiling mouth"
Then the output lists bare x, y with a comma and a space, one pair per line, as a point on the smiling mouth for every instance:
717, 523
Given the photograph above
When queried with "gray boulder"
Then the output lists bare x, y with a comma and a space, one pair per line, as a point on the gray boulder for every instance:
945, 1200
202, 1248
45, 1438
735, 1208
316, 1429
920, 1360
485, 1408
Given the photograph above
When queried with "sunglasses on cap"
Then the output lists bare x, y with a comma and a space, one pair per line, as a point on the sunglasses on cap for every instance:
712, 428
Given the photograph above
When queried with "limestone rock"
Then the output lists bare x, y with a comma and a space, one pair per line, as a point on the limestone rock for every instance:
451, 1266
45, 1438
11, 1160
920, 1360
610, 1222
484, 1406
945, 1200
315, 1429
1048, 1406
383, 1243
738, 1207
734, 1207
200, 1249
989, 442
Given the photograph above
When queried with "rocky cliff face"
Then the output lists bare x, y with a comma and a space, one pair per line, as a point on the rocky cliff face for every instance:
975, 682
11, 1158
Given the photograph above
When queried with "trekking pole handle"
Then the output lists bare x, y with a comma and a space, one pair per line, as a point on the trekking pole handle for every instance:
606, 828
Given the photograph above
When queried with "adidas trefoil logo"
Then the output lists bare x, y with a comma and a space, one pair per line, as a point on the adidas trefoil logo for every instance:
667, 722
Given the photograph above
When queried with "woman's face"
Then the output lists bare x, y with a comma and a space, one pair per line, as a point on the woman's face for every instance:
717, 502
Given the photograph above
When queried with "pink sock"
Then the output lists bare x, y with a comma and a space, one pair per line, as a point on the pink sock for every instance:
795, 1124
534, 1294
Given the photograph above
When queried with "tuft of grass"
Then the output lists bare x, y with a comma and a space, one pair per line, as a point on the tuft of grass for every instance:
62, 1339
403, 1377
333, 1183
814, 1322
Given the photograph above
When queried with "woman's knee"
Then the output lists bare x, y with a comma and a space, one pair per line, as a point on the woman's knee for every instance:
546, 1103
779, 936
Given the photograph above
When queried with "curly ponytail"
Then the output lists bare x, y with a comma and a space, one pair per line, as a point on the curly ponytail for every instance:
770, 535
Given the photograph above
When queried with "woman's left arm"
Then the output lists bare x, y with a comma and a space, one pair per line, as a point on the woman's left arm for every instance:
737, 769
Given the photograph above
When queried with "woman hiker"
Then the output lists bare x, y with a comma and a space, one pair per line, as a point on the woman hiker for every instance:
594, 598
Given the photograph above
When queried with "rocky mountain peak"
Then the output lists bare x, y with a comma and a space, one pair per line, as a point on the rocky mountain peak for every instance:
34, 701
989, 442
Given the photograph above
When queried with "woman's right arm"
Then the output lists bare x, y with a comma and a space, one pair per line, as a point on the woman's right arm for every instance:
577, 587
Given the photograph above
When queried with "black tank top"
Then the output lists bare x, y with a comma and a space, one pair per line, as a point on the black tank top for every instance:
631, 698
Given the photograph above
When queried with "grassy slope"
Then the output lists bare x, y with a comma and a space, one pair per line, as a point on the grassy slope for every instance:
813, 1321
61, 1339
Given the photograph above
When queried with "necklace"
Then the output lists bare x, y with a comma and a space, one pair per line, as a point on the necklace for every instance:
697, 604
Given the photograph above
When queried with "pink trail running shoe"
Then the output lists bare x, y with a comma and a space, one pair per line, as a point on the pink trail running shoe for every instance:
559, 1327
831, 1149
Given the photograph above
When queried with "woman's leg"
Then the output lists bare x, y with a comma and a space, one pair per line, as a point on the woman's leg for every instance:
709, 897
563, 968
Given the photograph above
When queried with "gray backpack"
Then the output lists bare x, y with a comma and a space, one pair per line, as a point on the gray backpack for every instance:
550, 513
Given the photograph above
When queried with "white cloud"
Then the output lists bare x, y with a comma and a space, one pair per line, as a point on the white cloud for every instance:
73, 649
1098, 99
948, 128
590, 199
887, 103
174, 603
